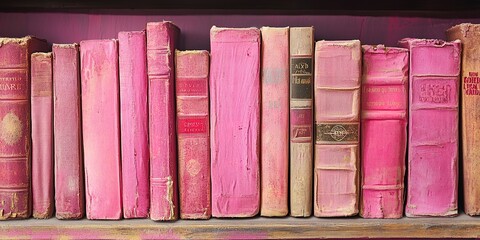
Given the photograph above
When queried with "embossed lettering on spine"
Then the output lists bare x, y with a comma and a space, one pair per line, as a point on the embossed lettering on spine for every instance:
337, 107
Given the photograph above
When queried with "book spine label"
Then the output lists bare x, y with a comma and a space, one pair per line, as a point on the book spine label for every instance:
337, 108
384, 131
42, 135
301, 122
193, 132
433, 129
101, 128
161, 43
134, 124
235, 121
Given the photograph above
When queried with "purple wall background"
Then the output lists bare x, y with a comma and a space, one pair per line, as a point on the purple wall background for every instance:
74, 27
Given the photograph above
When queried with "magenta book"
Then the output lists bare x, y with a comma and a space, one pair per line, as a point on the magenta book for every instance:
384, 131
101, 128
337, 122
67, 132
275, 121
15, 163
235, 121
193, 133
134, 124
433, 127
161, 43
42, 135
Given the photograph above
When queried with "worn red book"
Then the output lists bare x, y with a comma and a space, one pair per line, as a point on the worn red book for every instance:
193, 133
433, 127
67, 133
42, 134
15, 135
161, 43
337, 122
101, 128
384, 131
235, 121
134, 124
274, 122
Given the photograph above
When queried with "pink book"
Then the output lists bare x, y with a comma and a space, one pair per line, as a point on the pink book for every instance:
235, 121
101, 128
193, 133
274, 123
337, 107
433, 129
15, 165
161, 42
384, 131
134, 124
42, 135
67, 133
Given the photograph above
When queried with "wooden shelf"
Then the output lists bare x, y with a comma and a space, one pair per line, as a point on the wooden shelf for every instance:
462, 226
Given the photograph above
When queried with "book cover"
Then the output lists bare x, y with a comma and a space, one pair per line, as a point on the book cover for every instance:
101, 128
15, 127
42, 134
384, 131
67, 133
235, 121
301, 120
337, 107
275, 121
132, 47
193, 133
161, 42
433, 127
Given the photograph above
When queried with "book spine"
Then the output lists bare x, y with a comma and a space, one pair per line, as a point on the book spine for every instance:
275, 121
101, 128
42, 135
301, 121
134, 124
469, 34
67, 133
384, 131
235, 121
193, 130
433, 129
15, 135
337, 108
161, 43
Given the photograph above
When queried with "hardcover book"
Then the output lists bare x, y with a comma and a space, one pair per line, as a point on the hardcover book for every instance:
193, 133
42, 135
235, 121
433, 127
301, 121
337, 108
101, 128
161, 43
384, 131
15, 135
274, 122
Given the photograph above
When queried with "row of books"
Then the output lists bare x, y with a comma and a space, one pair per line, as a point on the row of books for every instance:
268, 122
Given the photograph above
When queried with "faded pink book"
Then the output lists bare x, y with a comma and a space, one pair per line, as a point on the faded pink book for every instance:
132, 47
337, 121
42, 135
235, 121
433, 127
193, 133
275, 121
67, 133
15, 135
384, 131
161, 42
101, 128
